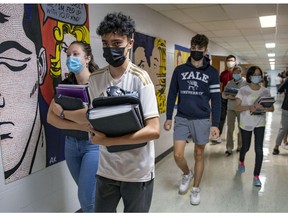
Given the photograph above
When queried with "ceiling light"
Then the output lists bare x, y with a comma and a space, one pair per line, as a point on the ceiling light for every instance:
271, 54
272, 63
271, 60
268, 21
270, 45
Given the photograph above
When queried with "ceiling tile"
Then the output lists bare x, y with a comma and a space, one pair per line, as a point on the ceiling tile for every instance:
203, 14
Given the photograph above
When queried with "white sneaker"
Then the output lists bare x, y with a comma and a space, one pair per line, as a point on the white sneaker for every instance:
186, 179
217, 140
195, 196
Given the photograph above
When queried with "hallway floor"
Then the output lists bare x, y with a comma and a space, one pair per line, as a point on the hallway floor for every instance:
222, 188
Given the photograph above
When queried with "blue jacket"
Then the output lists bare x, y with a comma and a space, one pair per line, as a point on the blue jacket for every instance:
284, 88
195, 87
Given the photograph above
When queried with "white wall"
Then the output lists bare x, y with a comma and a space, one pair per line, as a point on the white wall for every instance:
53, 189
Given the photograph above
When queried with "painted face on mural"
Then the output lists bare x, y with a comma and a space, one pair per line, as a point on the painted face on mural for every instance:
155, 67
140, 58
19, 119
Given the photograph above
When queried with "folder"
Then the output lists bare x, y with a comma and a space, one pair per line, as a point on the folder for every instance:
116, 116
78, 91
266, 102
71, 103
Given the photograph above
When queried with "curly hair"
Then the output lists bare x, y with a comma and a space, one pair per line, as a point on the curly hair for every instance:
200, 40
117, 23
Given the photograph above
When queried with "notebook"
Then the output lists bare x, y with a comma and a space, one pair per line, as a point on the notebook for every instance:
77, 91
117, 116
71, 103
266, 102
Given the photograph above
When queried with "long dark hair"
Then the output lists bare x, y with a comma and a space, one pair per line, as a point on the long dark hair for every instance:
92, 66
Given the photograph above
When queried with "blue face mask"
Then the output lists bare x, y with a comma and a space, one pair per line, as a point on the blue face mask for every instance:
255, 79
74, 64
236, 76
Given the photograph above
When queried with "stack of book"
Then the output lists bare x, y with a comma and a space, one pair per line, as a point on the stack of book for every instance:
73, 97
76, 91
266, 102
230, 90
117, 116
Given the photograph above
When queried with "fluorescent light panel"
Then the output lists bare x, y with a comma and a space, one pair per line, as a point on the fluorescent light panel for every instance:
270, 45
268, 21
271, 54
272, 60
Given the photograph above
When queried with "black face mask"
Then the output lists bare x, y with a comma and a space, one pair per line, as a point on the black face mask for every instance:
197, 55
114, 56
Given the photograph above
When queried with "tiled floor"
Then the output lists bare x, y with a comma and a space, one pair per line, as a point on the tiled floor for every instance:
222, 188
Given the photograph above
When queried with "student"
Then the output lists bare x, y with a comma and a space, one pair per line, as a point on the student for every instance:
237, 82
127, 174
195, 83
225, 77
80, 154
245, 100
284, 119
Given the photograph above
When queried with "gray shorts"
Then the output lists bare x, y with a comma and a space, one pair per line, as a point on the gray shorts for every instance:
198, 130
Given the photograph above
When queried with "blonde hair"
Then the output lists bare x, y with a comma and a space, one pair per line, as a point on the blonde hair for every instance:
81, 33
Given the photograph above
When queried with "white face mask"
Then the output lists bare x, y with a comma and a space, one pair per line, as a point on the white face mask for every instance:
230, 64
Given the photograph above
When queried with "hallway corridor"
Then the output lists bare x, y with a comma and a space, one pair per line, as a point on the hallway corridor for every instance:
222, 188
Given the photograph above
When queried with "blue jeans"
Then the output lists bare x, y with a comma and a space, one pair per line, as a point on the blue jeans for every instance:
82, 160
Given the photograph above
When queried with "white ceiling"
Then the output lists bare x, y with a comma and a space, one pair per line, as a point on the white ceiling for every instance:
236, 27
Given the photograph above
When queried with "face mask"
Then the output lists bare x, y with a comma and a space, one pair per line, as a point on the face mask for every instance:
236, 76
230, 64
197, 55
255, 79
114, 56
74, 64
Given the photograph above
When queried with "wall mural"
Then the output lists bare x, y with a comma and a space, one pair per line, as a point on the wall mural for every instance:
149, 53
33, 43
181, 55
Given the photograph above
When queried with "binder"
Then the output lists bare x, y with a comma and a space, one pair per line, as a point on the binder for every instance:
231, 90
78, 91
116, 116
266, 102
71, 103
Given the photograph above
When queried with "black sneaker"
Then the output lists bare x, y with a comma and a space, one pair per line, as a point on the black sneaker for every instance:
275, 151
228, 153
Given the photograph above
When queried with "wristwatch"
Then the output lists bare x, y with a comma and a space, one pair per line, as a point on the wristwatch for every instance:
62, 116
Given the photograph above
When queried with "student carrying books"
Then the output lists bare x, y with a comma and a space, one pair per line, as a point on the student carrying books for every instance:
233, 85
80, 154
245, 103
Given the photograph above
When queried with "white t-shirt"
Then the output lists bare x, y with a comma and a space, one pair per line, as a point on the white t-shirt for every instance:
248, 96
278, 80
136, 165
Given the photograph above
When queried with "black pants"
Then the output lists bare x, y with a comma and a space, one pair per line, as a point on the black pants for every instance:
136, 196
246, 141
223, 114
